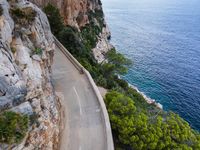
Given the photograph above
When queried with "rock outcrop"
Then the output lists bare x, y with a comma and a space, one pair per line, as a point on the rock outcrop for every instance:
103, 45
76, 13
26, 54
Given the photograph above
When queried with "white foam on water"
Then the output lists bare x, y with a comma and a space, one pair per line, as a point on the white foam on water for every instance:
148, 99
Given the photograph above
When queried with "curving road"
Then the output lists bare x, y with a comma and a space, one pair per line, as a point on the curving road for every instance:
84, 128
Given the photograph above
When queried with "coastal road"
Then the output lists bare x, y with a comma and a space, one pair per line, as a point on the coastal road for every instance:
83, 125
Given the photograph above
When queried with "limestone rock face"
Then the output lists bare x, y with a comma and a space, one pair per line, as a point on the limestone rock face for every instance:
74, 12
103, 45
26, 54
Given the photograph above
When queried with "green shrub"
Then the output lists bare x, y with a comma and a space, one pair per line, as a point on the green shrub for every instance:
96, 15
13, 50
91, 31
89, 34
33, 119
23, 16
1, 10
101, 81
70, 39
135, 130
37, 51
13, 127
122, 83
55, 19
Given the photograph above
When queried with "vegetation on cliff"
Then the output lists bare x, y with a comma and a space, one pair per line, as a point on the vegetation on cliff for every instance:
55, 19
23, 16
134, 129
135, 123
29, 117
13, 127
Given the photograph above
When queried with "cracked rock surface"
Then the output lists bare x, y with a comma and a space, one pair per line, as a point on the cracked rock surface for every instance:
26, 55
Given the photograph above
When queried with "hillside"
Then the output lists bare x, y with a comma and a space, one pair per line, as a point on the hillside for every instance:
30, 115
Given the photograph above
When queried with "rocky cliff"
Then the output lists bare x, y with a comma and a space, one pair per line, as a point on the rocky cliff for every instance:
80, 13
74, 12
26, 54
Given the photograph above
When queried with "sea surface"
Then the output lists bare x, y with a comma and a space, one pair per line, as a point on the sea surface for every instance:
162, 37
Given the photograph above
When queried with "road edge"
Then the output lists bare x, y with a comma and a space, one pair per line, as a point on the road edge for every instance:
81, 69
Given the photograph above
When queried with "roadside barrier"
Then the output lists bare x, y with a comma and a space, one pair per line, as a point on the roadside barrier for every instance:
82, 70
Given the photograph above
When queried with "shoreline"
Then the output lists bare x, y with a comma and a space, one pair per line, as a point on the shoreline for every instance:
102, 47
148, 99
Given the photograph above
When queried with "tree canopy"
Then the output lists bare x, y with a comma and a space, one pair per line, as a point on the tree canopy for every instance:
135, 124
116, 63
54, 17
136, 130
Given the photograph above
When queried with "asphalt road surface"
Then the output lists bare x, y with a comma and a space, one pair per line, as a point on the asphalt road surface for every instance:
84, 128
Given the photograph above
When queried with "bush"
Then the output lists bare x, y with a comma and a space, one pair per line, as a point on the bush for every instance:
97, 17
69, 37
1, 10
134, 130
37, 51
55, 19
122, 83
33, 119
13, 127
89, 34
23, 16
101, 81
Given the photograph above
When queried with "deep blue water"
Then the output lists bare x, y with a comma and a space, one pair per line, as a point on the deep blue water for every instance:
162, 37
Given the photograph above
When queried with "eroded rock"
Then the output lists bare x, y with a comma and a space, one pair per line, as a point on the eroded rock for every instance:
24, 108
75, 13
26, 54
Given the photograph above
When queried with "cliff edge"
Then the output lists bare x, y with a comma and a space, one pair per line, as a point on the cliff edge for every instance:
26, 55
74, 12
80, 14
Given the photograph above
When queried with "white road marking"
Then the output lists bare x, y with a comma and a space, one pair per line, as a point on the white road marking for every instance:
98, 110
79, 102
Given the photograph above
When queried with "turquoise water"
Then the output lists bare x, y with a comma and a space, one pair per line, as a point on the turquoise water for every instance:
162, 37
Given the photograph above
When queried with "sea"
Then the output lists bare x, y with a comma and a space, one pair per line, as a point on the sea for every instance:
162, 38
